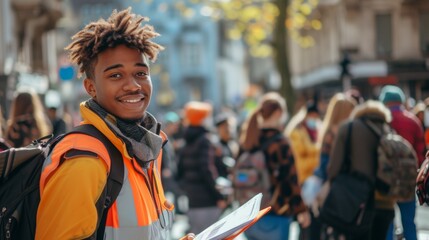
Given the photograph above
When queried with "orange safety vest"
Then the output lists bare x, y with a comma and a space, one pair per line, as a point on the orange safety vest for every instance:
141, 210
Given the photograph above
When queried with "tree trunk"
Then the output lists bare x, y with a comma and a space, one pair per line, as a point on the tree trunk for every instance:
281, 57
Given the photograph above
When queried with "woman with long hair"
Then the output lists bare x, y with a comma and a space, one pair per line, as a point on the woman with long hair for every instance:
339, 109
266, 122
27, 120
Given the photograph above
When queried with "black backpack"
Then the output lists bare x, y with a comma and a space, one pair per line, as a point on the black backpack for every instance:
20, 170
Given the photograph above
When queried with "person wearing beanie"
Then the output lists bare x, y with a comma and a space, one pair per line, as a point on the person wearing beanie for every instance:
196, 171
196, 112
392, 95
408, 126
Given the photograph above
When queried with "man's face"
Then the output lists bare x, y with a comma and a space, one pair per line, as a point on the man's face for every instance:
121, 84
224, 131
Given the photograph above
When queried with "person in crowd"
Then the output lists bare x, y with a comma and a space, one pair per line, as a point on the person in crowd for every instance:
170, 127
27, 120
196, 171
302, 132
409, 127
339, 108
58, 124
171, 121
114, 55
266, 121
227, 148
419, 112
363, 148
422, 182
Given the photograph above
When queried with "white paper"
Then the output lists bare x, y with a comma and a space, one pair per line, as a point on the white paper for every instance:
234, 221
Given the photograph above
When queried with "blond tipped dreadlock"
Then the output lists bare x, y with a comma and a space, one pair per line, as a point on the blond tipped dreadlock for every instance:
120, 28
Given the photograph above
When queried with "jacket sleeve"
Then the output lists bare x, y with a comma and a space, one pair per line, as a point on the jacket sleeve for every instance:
67, 207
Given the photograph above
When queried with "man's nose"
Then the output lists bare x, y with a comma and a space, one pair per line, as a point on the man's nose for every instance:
132, 84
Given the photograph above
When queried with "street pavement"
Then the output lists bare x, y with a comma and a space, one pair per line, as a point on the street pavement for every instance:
422, 222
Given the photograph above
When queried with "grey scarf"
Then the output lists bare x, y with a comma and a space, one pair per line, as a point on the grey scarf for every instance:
140, 137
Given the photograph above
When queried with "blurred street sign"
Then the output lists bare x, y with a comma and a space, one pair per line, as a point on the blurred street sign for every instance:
66, 73
390, 79
37, 82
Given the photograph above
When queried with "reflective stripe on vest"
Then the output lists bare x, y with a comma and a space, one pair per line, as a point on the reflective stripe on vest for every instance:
153, 231
140, 211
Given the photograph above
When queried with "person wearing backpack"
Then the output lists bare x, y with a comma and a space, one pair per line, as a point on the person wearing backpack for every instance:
356, 142
263, 125
113, 54
408, 126
339, 108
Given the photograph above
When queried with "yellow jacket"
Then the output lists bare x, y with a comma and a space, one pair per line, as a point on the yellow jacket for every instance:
305, 152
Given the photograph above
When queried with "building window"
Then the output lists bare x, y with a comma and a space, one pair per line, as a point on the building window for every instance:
192, 55
424, 33
383, 27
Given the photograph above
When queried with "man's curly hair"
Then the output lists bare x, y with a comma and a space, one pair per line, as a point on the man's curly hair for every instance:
120, 28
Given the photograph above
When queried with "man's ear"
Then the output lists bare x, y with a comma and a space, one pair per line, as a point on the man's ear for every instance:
89, 85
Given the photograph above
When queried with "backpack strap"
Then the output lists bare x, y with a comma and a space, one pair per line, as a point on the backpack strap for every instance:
347, 161
376, 130
114, 180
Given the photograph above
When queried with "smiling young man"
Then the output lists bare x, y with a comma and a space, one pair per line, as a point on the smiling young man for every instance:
113, 54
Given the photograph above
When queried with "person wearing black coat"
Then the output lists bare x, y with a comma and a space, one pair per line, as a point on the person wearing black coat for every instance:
197, 171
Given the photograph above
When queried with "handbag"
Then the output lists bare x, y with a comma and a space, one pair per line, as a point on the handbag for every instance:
349, 204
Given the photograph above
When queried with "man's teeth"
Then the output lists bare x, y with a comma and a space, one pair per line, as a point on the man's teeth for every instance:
132, 101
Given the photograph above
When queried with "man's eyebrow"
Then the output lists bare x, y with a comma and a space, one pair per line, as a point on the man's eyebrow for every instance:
112, 67
141, 65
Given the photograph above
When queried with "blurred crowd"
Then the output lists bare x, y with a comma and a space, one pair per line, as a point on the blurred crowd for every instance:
204, 145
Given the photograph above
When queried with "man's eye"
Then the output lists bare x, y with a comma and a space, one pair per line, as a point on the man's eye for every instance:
142, 74
115, 75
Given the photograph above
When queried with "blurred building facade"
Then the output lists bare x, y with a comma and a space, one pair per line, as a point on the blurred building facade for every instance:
26, 36
379, 41
198, 63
